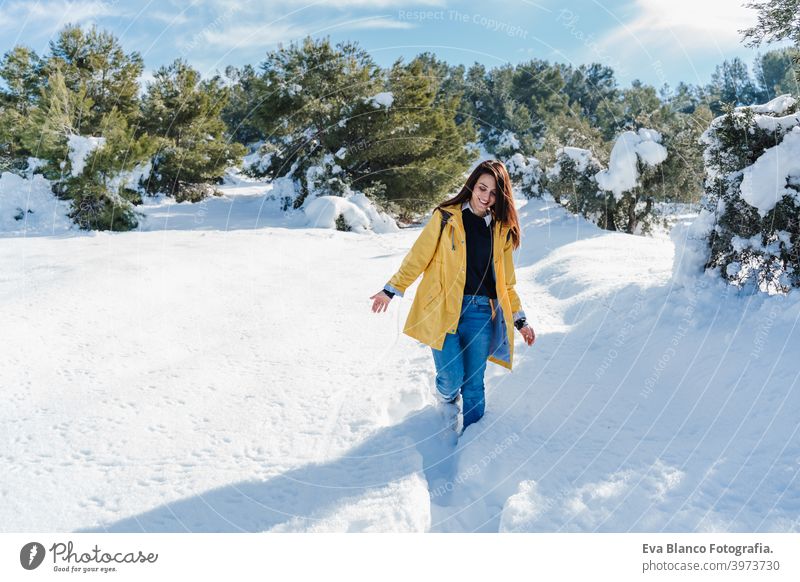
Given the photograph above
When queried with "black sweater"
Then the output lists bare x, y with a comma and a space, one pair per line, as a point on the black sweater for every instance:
480, 279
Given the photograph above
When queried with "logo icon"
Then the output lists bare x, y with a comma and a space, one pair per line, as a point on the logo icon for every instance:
31, 555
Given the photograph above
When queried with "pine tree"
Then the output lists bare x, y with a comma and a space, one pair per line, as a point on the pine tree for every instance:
243, 101
752, 243
589, 89
571, 181
307, 93
777, 20
57, 115
775, 73
94, 62
630, 185
416, 149
185, 113
539, 87
731, 84
100, 194
20, 69
105, 192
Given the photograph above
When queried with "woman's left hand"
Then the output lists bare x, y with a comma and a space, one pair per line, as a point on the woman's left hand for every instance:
528, 334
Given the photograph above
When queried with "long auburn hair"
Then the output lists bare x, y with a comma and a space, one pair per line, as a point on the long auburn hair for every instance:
503, 209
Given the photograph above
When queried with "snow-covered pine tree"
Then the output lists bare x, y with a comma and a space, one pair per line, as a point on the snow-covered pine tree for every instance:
749, 225
306, 93
631, 180
91, 170
571, 181
524, 170
403, 143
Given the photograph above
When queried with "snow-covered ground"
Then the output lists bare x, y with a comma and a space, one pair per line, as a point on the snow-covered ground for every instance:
220, 369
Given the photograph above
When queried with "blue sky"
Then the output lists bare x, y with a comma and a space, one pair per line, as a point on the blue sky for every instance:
656, 41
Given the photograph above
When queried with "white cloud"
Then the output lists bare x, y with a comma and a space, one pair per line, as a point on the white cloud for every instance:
267, 34
48, 17
172, 18
251, 35
376, 22
681, 24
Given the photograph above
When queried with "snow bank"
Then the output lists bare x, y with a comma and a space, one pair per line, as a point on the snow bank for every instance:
380, 222
330, 196
29, 207
638, 408
323, 211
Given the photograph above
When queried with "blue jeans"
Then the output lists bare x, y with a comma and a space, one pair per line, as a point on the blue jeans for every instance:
461, 363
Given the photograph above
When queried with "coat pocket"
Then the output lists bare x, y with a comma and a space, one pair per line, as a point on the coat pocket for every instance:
431, 285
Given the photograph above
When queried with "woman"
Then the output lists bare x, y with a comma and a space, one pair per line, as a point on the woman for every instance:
465, 307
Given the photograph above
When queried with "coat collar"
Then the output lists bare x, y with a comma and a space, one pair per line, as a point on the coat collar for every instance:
453, 216
487, 219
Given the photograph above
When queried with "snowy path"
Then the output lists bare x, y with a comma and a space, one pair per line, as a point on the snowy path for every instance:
220, 370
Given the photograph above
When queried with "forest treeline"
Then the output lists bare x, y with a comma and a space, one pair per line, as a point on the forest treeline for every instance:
331, 120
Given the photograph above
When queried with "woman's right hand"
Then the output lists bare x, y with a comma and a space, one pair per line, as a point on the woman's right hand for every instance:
380, 302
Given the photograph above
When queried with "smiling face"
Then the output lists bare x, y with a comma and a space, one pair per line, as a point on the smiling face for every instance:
483, 194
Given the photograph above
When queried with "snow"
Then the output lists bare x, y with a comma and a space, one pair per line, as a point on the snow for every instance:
481, 154
379, 221
28, 207
771, 123
80, 146
358, 212
323, 211
764, 182
622, 174
579, 156
131, 178
508, 141
526, 172
778, 106
691, 249
247, 386
383, 99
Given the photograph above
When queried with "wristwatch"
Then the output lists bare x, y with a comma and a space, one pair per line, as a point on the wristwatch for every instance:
520, 323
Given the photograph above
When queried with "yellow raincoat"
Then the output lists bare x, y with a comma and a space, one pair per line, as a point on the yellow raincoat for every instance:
442, 261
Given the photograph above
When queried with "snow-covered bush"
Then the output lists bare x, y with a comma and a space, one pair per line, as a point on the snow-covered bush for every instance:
572, 182
620, 197
310, 178
526, 174
748, 229
352, 212
630, 180
524, 170
326, 178
258, 162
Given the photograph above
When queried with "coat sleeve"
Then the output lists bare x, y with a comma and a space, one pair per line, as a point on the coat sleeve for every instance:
418, 258
511, 280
